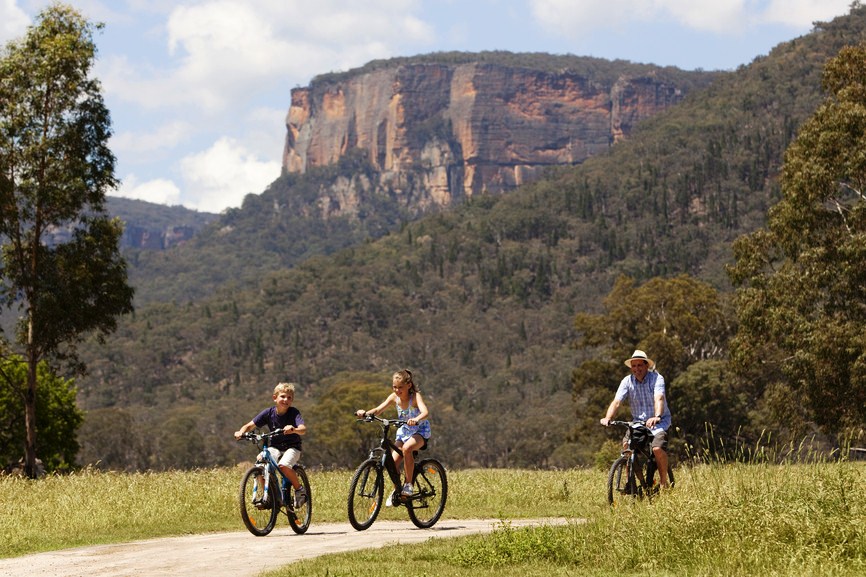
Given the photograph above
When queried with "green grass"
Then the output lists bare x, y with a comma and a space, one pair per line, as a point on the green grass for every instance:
737, 520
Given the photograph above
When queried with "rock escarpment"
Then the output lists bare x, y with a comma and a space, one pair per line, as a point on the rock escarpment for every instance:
440, 132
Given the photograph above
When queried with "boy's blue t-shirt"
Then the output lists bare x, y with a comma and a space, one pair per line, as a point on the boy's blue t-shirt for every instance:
275, 421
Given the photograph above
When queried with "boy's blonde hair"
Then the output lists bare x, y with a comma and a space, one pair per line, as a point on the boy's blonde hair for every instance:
405, 376
284, 387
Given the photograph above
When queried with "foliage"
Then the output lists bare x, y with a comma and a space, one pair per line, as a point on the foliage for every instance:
683, 324
802, 301
345, 442
56, 167
55, 402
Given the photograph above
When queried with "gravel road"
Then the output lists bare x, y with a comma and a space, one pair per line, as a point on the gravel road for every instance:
238, 554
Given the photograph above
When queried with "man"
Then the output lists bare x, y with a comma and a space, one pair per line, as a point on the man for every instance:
645, 391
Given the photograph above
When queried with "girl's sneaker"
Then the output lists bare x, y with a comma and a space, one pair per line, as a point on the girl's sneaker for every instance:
407, 490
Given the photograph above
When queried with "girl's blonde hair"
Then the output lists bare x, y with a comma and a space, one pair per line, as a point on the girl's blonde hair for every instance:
284, 387
405, 376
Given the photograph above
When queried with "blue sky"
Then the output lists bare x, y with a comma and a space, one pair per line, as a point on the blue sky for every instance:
199, 90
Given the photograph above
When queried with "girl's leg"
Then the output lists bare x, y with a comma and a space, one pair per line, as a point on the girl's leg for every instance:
398, 457
415, 443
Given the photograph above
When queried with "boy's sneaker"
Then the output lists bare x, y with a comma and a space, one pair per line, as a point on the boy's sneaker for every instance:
300, 498
407, 490
389, 502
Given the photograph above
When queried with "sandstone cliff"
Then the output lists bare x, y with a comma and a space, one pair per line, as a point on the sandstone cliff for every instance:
440, 132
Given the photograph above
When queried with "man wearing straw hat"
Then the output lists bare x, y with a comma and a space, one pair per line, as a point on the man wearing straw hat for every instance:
645, 390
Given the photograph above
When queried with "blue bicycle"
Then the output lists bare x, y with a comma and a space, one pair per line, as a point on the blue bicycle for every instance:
262, 496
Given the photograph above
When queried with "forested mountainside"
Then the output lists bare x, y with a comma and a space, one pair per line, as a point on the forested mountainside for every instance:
479, 301
382, 145
150, 226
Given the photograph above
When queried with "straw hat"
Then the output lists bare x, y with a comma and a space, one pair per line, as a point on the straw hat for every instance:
639, 355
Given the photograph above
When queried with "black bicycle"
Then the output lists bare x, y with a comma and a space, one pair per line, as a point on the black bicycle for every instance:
633, 474
367, 489
262, 496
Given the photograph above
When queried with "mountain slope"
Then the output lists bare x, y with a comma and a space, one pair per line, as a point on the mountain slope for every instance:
479, 301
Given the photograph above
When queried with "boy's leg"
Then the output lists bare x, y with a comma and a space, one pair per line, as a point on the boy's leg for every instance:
289, 459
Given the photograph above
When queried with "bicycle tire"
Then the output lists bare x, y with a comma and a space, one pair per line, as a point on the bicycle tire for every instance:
299, 519
653, 481
365, 494
260, 522
621, 483
431, 492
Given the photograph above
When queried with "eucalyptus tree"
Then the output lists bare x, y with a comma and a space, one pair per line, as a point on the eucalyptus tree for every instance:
62, 272
801, 296
684, 325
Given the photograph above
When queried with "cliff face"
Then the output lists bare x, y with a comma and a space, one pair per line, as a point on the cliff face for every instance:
438, 133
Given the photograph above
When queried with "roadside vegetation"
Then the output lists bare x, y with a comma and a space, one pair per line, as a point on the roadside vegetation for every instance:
721, 519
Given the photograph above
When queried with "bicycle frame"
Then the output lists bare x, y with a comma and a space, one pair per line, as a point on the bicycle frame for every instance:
636, 465
260, 503
269, 465
366, 490
384, 454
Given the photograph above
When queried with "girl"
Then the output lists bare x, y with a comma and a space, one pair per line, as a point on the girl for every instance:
412, 436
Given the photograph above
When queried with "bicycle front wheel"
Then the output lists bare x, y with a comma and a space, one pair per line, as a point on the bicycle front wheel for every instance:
621, 483
431, 491
259, 517
300, 517
365, 494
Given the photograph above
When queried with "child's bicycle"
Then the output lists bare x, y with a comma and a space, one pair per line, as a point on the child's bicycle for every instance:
367, 489
262, 497
633, 474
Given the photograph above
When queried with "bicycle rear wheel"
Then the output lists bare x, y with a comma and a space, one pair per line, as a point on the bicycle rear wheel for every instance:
653, 479
259, 519
431, 491
300, 517
621, 483
365, 494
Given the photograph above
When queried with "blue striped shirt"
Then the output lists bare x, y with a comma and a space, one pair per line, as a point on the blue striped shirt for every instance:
641, 398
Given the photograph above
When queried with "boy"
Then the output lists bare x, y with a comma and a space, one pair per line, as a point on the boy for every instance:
286, 448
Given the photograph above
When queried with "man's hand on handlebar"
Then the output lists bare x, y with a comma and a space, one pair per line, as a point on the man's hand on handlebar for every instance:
605, 422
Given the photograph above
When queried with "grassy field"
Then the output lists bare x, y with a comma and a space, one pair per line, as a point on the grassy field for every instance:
731, 519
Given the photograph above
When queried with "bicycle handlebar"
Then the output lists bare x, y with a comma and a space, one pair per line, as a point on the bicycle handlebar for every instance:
250, 436
629, 424
383, 422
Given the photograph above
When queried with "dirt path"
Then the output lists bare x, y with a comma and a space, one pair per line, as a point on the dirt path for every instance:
234, 554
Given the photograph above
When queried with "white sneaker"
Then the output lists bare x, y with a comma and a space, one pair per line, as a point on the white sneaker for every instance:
389, 501
407, 490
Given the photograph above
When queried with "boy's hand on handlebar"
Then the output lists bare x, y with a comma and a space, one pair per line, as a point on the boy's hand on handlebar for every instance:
360, 413
605, 422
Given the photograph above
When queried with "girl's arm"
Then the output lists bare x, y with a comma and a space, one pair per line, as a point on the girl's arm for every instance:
422, 406
377, 410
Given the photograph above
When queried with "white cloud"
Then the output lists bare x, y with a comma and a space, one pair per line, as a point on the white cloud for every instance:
223, 175
802, 13
165, 137
159, 191
13, 21
728, 17
222, 52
